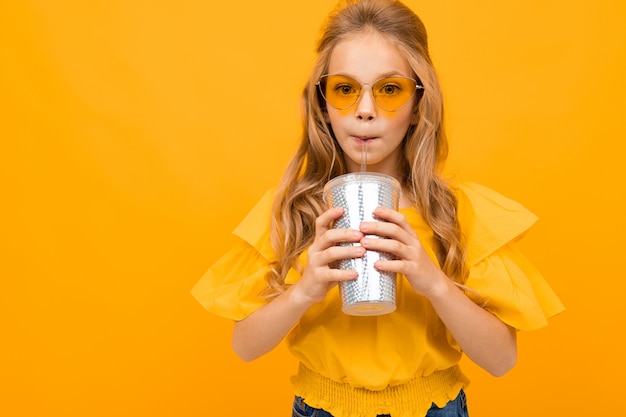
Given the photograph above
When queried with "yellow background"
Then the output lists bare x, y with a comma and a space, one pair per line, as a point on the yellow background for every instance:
136, 134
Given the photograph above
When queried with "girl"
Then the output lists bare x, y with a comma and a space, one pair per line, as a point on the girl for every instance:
462, 284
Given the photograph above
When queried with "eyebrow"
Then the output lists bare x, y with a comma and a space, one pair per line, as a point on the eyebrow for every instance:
380, 77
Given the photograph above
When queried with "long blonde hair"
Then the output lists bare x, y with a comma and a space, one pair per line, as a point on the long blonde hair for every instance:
319, 158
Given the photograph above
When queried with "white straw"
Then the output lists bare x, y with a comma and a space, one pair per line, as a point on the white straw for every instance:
364, 157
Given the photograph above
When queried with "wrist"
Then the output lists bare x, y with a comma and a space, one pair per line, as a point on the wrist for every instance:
298, 299
440, 289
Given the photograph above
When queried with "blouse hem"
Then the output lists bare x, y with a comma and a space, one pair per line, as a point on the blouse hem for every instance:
409, 399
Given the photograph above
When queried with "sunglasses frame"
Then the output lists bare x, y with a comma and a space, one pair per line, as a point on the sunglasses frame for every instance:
418, 87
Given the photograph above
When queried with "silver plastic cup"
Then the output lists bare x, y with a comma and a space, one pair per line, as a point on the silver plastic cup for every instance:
373, 292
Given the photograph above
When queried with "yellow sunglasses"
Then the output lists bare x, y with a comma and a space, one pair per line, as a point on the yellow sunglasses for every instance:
390, 93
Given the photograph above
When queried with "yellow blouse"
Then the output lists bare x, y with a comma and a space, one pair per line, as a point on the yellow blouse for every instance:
401, 362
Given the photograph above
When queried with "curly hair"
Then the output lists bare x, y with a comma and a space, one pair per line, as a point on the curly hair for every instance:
319, 158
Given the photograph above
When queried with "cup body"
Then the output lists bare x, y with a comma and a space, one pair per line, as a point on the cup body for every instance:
373, 292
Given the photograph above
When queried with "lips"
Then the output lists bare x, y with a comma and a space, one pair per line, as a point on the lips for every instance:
363, 138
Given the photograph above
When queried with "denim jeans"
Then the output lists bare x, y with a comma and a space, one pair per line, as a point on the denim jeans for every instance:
454, 408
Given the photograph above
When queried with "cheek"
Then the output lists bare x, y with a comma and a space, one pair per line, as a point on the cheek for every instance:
400, 122
335, 117
414, 116
408, 115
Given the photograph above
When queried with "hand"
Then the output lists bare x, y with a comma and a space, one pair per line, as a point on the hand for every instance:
318, 277
482, 336
411, 259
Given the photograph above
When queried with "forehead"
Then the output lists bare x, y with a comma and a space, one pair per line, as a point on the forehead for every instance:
367, 57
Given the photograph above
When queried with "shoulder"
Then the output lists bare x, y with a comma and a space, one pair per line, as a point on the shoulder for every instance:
488, 219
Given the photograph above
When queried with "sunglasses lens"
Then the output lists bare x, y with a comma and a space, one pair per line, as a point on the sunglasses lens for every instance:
339, 91
394, 92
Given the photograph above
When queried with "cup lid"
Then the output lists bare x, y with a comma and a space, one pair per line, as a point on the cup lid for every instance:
360, 177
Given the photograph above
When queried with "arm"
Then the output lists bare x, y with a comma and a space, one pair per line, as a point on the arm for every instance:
264, 329
485, 339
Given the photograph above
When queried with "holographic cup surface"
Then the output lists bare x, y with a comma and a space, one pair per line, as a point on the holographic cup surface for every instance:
373, 292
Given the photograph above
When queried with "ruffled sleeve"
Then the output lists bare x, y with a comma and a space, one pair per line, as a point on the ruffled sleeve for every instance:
231, 287
513, 288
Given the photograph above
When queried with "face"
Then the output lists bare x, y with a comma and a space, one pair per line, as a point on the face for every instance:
367, 58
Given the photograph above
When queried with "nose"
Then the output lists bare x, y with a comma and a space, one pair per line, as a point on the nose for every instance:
366, 107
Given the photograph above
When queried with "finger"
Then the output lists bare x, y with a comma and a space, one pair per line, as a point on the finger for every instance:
337, 253
335, 275
323, 222
392, 246
397, 266
392, 216
334, 253
393, 224
337, 236
388, 230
